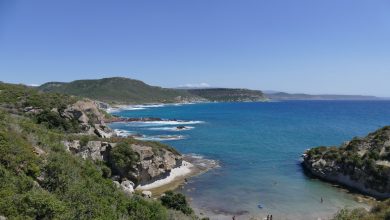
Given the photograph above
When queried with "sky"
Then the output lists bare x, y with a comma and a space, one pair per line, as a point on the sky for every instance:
312, 46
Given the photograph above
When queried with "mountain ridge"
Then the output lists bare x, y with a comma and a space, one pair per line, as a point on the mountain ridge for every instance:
120, 90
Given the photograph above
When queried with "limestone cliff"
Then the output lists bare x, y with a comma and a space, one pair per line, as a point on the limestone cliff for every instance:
362, 163
90, 118
151, 163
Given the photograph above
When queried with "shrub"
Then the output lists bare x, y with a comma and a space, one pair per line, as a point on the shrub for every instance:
176, 201
140, 209
122, 158
53, 120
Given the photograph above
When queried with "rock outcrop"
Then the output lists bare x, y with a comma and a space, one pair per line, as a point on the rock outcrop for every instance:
362, 163
153, 164
95, 150
89, 116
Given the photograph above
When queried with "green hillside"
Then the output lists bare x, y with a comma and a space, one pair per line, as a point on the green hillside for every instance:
229, 95
41, 179
118, 90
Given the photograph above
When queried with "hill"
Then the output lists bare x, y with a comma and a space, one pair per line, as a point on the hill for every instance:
228, 95
119, 90
302, 96
58, 160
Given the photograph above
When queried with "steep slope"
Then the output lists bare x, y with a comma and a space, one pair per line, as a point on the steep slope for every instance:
362, 163
59, 161
229, 95
119, 90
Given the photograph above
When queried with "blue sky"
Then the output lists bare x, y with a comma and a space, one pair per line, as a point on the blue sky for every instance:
324, 46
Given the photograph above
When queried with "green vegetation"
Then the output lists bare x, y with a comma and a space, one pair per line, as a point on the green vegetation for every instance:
381, 211
23, 100
228, 95
18, 97
120, 90
123, 159
39, 179
176, 201
362, 159
56, 184
117, 90
53, 120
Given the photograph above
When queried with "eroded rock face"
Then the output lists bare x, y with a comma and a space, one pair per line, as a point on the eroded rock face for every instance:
91, 119
362, 163
154, 165
95, 150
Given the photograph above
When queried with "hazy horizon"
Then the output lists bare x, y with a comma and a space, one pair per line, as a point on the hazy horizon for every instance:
332, 47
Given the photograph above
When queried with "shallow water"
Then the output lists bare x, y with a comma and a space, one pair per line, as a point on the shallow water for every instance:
258, 146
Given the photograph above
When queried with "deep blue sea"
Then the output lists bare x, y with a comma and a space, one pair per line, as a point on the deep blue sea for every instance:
258, 147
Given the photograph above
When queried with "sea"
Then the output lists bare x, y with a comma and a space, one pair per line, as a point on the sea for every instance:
258, 148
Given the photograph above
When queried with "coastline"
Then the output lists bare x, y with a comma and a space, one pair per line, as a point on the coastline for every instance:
192, 164
178, 178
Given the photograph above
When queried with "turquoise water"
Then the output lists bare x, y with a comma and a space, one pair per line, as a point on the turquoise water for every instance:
258, 147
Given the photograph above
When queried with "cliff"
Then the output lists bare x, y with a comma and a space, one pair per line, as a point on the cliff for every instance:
362, 163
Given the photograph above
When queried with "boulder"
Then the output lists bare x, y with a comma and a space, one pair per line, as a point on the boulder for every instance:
127, 187
102, 131
147, 194
92, 150
72, 146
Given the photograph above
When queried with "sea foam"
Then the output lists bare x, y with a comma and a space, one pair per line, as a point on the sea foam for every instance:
186, 128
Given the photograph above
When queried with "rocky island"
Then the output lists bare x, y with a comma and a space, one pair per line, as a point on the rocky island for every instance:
362, 164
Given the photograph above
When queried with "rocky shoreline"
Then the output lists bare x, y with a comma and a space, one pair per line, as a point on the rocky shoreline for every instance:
361, 164
158, 167
146, 119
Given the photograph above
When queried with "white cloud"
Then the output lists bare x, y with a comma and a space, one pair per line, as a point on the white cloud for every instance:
196, 85
33, 85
